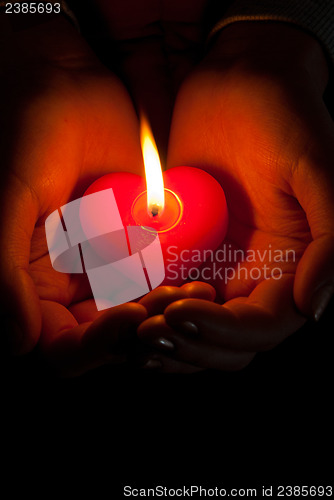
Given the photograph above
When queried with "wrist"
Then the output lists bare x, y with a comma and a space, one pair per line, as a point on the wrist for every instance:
277, 48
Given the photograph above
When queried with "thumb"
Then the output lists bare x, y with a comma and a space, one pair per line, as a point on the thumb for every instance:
19, 301
314, 188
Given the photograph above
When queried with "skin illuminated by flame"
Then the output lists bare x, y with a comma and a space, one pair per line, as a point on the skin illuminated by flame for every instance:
153, 172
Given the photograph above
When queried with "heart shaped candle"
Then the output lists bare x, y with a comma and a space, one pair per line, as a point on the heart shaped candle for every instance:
188, 227
186, 207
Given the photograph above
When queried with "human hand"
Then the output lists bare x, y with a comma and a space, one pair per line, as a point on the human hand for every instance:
252, 115
65, 121
156, 333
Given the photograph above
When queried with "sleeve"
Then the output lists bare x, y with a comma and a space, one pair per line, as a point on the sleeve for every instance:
314, 16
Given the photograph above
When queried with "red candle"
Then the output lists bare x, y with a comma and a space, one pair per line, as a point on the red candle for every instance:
185, 206
193, 221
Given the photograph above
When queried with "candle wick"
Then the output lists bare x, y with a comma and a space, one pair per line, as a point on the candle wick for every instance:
154, 210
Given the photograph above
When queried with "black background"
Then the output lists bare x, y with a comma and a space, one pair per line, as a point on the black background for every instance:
270, 423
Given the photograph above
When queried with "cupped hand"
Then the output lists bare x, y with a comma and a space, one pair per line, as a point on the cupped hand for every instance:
252, 114
65, 121
158, 336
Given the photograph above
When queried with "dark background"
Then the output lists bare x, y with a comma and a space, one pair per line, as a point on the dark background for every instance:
270, 423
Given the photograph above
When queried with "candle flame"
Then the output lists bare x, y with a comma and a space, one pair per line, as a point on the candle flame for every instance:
153, 171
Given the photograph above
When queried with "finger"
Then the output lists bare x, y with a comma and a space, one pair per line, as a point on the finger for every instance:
119, 319
72, 349
85, 311
314, 285
156, 301
19, 298
313, 185
199, 290
189, 349
255, 323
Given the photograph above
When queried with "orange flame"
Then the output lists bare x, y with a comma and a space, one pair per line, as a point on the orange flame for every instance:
153, 171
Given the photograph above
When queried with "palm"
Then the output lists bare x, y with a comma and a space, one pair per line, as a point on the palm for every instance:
248, 145
66, 139
51, 285
76, 170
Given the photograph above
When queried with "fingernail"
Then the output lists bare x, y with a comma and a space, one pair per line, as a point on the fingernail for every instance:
188, 327
321, 300
14, 336
152, 364
163, 344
